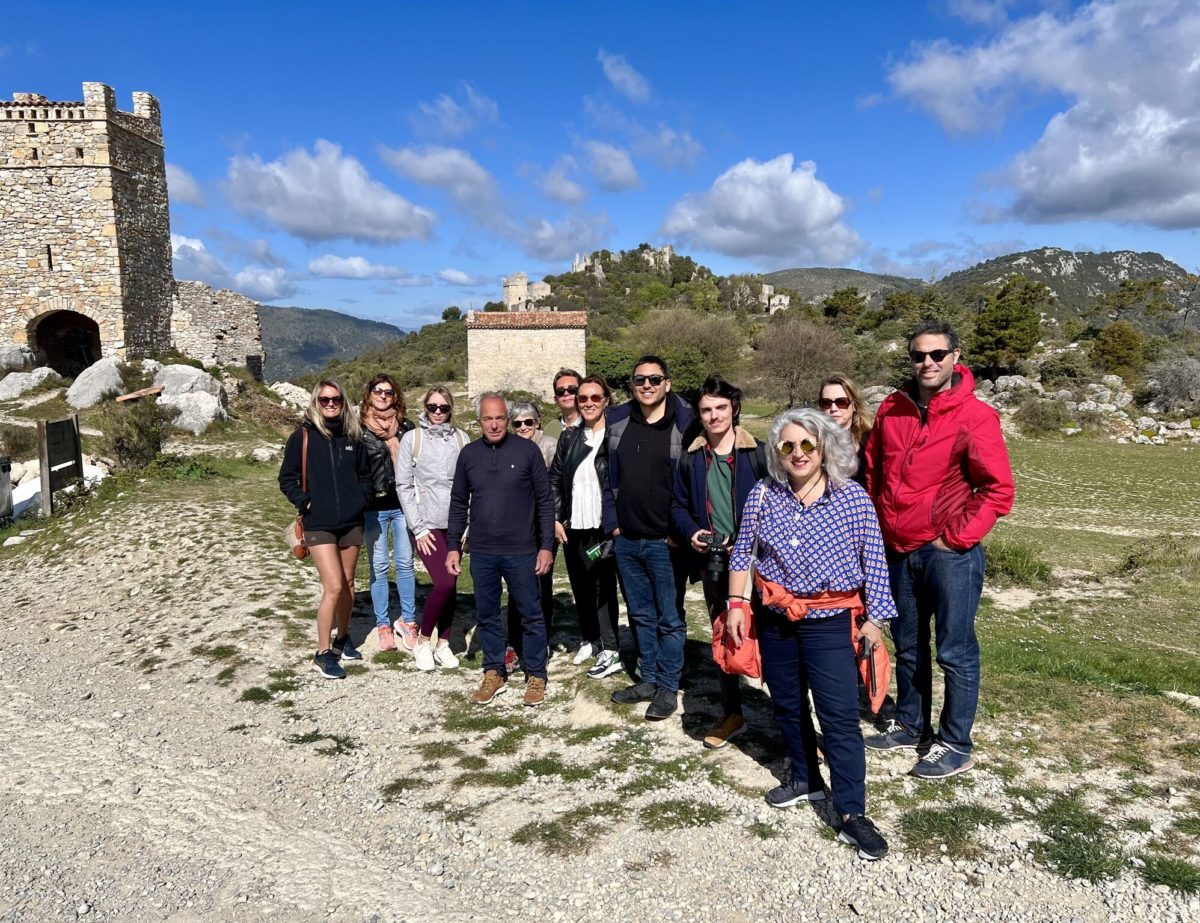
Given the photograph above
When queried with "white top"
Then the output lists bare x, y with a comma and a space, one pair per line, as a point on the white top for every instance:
585, 487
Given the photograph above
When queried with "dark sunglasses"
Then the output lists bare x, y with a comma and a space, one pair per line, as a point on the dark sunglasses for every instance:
937, 355
565, 390
655, 380
807, 446
521, 424
841, 403
390, 392
329, 401
437, 408
590, 398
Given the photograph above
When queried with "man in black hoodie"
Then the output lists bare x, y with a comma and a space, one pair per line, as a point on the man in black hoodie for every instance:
502, 492
645, 440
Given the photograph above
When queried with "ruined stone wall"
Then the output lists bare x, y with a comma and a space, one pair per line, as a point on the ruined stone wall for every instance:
217, 327
523, 352
84, 226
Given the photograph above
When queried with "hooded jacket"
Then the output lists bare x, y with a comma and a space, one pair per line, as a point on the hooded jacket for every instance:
948, 478
689, 504
617, 421
339, 479
424, 488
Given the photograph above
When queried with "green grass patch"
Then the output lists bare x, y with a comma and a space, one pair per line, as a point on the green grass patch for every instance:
1188, 826
225, 677
1177, 874
569, 834
472, 762
473, 719
355, 669
402, 785
1162, 554
679, 813
338, 743
927, 829
388, 658
215, 651
256, 694
763, 831
1079, 841
1012, 562
590, 734
510, 741
439, 749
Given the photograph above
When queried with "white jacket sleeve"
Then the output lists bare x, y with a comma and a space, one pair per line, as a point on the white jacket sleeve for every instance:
407, 488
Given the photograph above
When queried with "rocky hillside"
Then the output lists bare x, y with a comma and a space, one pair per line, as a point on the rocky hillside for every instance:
816, 284
299, 341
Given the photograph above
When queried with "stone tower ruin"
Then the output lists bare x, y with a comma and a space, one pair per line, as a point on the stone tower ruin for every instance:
85, 238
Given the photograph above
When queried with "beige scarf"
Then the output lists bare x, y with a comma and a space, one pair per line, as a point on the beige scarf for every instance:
386, 425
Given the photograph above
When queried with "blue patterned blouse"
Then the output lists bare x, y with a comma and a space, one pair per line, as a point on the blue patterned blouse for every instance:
833, 545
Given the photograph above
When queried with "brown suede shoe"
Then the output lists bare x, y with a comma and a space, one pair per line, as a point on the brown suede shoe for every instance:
535, 691
493, 685
720, 733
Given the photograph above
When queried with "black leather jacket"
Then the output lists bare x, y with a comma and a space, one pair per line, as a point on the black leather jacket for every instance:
572, 449
383, 470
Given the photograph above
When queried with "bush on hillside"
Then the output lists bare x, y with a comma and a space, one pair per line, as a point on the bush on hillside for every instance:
1161, 554
134, 432
1119, 350
1176, 383
1069, 370
1038, 417
793, 355
19, 442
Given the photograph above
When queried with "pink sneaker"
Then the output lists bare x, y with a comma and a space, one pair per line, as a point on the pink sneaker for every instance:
386, 640
408, 635
511, 660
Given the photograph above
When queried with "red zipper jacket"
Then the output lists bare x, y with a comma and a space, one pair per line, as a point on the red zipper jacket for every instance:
948, 479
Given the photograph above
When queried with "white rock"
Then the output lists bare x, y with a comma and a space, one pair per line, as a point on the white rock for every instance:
1088, 407
16, 358
1116, 382
177, 380
197, 410
295, 395
14, 540
263, 454
16, 473
1122, 398
1146, 423
150, 366
94, 383
14, 384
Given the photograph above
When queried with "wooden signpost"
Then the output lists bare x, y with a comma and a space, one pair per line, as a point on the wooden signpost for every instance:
61, 453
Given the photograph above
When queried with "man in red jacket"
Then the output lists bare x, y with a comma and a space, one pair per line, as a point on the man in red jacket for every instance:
938, 472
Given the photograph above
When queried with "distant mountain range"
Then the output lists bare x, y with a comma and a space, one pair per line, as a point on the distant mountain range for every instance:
298, 341
1074, 278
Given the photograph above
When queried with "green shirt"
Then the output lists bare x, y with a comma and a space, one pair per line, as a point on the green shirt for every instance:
718, 484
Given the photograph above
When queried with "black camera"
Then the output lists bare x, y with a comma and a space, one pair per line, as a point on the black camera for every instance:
716, 556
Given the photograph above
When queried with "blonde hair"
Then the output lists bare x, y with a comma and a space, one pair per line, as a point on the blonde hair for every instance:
438, 389
349, 418
860, 425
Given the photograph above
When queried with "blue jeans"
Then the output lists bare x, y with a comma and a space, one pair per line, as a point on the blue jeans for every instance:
816, 654
944, 585
517, 571
377, 524
648, 576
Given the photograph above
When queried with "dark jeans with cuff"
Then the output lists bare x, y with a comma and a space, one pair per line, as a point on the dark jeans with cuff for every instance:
517, 571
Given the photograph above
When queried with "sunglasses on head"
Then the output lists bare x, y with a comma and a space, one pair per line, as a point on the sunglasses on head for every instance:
522, 424
389, 392
787, 447
937, 355
655, 380
565, 390
590, 398
841, 403
437, 408
330, 401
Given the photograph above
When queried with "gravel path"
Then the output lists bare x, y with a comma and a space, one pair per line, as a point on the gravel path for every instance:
139, 786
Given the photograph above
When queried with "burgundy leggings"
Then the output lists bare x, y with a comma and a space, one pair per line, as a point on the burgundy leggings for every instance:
439, 604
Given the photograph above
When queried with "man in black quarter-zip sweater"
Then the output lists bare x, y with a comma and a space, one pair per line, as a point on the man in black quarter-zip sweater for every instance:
502, 493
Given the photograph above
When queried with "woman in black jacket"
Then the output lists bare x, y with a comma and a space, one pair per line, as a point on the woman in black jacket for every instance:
338, 487
578, 476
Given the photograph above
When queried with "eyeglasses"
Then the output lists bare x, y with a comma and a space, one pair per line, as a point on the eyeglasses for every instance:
841, 403
522, 424
565, 390
590, 398
389, 392
937, 355
655, 380
787, 447
329, 401
437, 408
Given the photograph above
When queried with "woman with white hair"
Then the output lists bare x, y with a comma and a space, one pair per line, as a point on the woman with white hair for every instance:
818, 563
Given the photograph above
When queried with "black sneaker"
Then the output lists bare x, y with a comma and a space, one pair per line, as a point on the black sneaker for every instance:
631, 695
857, 830
793, 792
663, 705
344, 648
326, 663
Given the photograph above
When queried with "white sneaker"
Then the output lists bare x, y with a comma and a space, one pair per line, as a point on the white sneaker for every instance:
423, 655
443, 656
585, 652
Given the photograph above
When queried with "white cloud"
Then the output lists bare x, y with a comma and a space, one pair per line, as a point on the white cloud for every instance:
458, 277
182, 186
260, 251
612, 166
192, 261
669, 147
623, 77
323, 195
766, 212
551, 241
452, 119
1126, 147
471, 187
933, 259
330, 266
557, 185
980, 12
263, 283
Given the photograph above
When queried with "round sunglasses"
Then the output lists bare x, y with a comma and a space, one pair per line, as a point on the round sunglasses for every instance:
787, 447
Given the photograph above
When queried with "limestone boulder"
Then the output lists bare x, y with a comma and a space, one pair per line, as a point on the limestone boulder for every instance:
295, 395
14, 384
150, 366
197, 410
178, 380
872, 396
94, 382
1113, 382
16, 473
1018, 383
16, 358
1146, 423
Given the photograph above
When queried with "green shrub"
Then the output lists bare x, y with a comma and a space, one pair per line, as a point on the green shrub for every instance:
134, 432
1070, 369
1120, 349
1039, 417
1177, 874
1161, 554
181, 468
19, 442
1014, 563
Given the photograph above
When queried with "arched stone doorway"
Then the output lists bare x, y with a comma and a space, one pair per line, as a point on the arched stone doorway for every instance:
66, 341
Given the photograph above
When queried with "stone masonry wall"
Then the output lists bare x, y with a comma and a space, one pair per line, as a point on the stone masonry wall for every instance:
521, 360
217, 327
84, 224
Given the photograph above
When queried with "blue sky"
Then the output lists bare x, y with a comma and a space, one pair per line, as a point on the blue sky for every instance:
387, 160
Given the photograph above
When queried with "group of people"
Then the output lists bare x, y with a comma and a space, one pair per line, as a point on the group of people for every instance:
809, 545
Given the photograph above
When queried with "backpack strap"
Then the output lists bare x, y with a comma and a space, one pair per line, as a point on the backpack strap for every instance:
416, 447
758, 462
304, 460
460, 438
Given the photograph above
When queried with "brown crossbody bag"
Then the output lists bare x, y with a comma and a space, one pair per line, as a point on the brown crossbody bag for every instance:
294, 533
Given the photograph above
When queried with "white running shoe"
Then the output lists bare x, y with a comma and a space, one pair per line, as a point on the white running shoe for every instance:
585, 652
423, 656
443, 656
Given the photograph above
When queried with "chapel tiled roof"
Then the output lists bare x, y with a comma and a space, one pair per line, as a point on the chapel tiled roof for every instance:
525, 320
